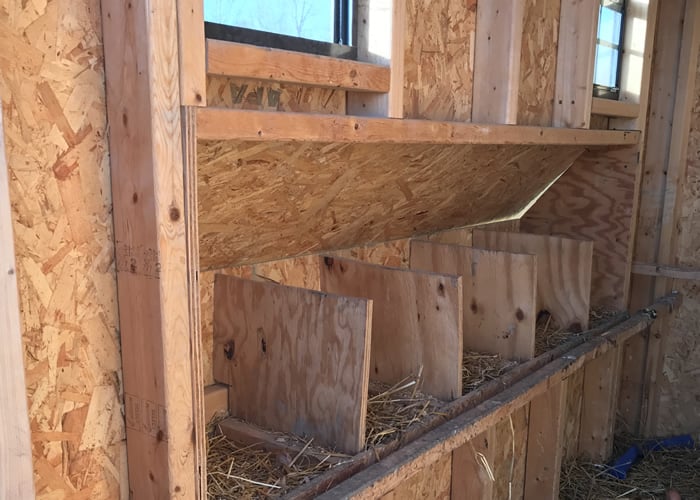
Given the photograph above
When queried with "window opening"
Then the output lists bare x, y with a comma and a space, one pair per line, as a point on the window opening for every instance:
608, 53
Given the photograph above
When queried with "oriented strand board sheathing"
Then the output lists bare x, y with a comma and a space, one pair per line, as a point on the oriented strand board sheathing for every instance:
538, 66
593, 200
238, 93
438, 62
265, 200
53, 101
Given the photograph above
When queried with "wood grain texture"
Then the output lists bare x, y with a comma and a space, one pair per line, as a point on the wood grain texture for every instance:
192, 52
545, 443
510, 457
573, 96
417, 322
262, 201
438, 60
16, 479
538, 67
295, 360
472, 467
55, 128
433, 482
499, 36
263, 63
237, 93
594, 200
600, 392
215, 401
572, 418
499, 295
563, 272
146, 153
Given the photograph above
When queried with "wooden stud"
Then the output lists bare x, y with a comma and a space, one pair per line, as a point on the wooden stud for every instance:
263, 63
151, 239
222, 124
193, 76
578, 26
16, 480
676, 273
600, 393
296, 360
417, 322
545, 443
563, 271
499, 33
499, 295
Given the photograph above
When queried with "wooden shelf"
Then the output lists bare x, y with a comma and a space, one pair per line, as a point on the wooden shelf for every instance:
260, 63
608, 107
228, 124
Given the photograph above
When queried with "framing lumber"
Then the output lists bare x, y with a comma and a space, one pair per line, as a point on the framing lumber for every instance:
192, 51
499, 34
16, 479
544, 443
573, 99
387, 474
296, 360
563, 271
220, 124
417, 321
678, 273
151, 240
499, 295
263, 63
610, 107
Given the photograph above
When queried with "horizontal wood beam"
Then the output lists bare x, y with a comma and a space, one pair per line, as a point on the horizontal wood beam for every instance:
680, 273
228, 124
618, 109
262, 63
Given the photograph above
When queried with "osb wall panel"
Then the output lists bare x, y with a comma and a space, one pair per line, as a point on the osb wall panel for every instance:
538, 65
594, 200
262, 201
52, 89
438, 62
679, 410
272, 96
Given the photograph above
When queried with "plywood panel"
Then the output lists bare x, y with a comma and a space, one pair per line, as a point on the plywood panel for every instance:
53, 104
499, 295
572, 419
296, 360
237, 93
594, 200
472, 467
563, 272
510, 456
539, 62
261, 201
417, 322
433, 482
438, 62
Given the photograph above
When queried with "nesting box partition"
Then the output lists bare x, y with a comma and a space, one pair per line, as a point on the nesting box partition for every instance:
499, 295
563, 272
296, 360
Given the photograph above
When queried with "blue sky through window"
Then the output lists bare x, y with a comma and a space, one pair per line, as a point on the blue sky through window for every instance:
313, 19
607, 48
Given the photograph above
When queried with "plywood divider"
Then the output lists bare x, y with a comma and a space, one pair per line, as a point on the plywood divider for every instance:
417, 321
472, 475
296, 360
563, 271
499, 295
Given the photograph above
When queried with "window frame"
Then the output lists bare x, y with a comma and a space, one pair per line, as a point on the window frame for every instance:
604, 91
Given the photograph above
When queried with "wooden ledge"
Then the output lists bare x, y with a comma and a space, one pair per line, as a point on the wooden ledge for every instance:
260, 63
230, 124
618, 109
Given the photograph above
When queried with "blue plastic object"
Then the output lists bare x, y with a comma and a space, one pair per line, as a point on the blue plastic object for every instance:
684, 441
621, 466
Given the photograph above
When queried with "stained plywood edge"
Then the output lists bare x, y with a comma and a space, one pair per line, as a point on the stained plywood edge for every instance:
16, 470
573, 97
320, 390
417, 321
192, 52
263, 63
499, 35
563, 271
545, 444
499, 295
227, 124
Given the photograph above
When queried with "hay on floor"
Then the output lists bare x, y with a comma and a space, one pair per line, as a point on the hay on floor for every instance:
479, 368
650, 477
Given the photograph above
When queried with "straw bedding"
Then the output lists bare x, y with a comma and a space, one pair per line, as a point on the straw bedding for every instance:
478, 368
548, 334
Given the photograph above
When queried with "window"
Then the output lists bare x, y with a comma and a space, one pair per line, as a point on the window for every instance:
316, 26
608, 52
